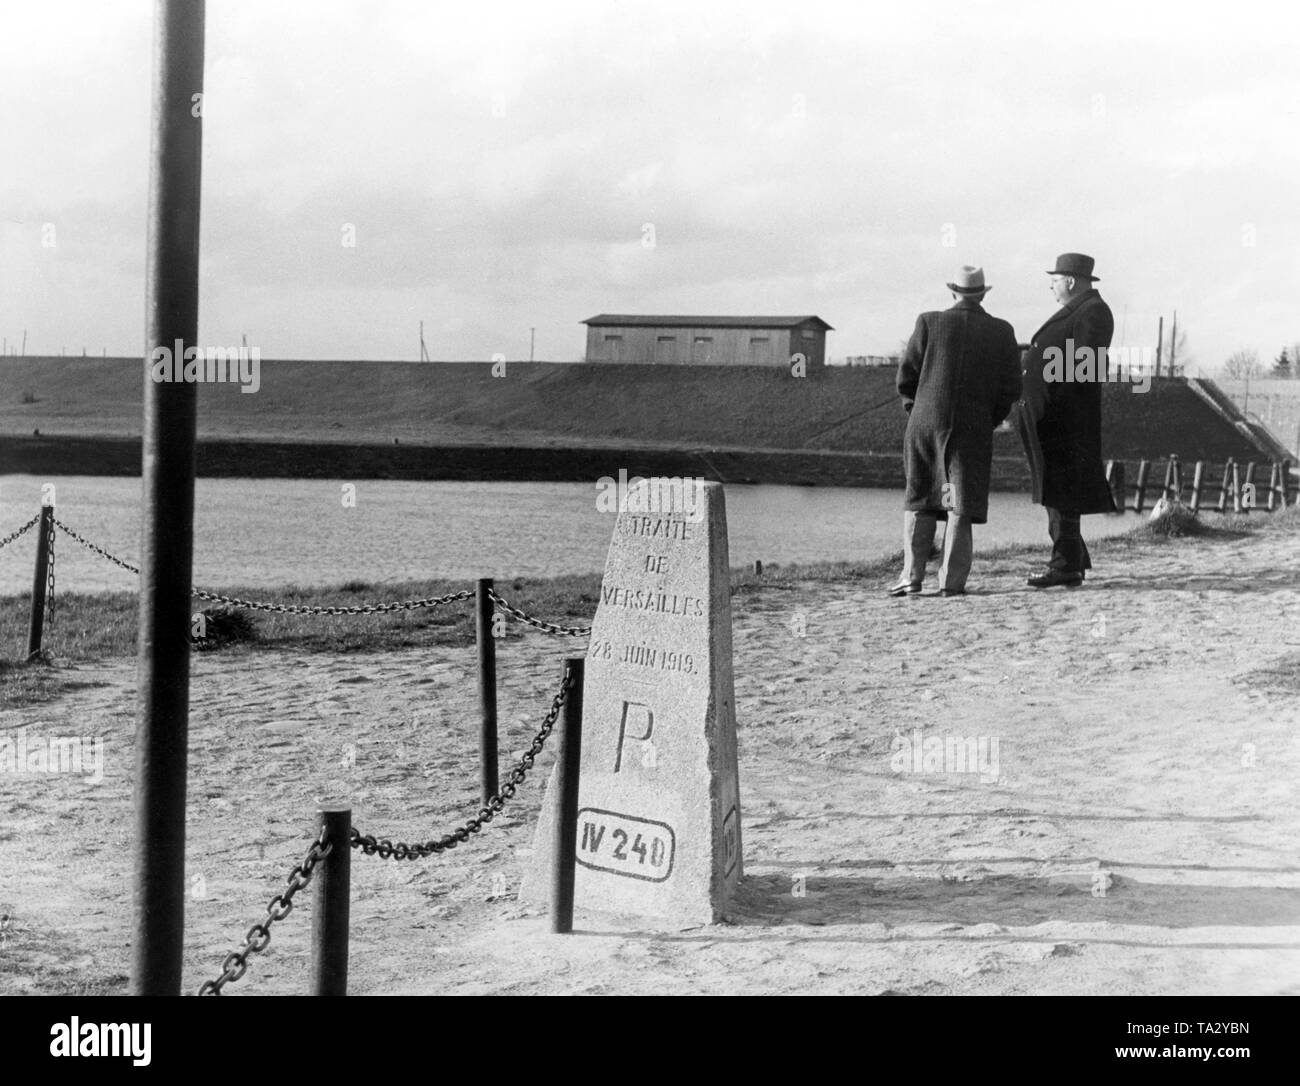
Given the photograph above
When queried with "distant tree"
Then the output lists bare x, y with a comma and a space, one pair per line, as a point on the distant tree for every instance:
1282, 365
1242, 365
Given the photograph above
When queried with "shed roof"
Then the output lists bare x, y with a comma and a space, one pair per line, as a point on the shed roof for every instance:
650, 320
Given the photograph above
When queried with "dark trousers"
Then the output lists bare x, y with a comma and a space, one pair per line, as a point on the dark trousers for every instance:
1069, 551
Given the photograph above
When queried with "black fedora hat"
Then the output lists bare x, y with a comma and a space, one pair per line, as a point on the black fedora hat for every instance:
1075, 264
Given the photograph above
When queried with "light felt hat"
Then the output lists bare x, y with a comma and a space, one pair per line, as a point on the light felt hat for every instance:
969, 280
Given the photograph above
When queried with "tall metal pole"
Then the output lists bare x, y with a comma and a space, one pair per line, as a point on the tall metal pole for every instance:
1160, 343
167, 534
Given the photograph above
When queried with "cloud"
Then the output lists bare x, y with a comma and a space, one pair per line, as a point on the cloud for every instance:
497, 164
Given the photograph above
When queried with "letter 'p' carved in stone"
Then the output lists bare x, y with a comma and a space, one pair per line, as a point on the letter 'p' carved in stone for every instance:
659, 824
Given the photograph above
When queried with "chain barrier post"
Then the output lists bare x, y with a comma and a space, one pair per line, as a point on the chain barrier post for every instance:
1271, 501
1285, 483
1117, 488
40, 582
484, 611
568, 772
1249, 482
329, 910
167, 469
1198, 480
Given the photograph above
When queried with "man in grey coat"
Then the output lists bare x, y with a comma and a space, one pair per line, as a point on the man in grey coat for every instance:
958, 379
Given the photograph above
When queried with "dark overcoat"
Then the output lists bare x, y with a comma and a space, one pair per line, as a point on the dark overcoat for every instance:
1060, 420
958, 379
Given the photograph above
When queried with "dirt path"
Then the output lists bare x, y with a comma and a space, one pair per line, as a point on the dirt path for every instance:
1141, 835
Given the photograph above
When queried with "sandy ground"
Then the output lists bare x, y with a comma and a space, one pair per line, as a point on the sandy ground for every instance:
1142, 834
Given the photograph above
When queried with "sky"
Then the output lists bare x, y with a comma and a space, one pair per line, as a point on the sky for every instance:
500, 167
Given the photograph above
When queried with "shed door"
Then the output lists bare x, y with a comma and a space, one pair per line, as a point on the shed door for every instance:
665, 348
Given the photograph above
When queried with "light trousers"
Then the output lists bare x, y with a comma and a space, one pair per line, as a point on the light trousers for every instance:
958, 549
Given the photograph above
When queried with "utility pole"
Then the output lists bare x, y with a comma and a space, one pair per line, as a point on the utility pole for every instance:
167, 531
532, 342
424, 352
1173, 345
24, 354
1160, 343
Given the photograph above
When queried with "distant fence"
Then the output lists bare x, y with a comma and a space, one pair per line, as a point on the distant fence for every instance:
1241, 488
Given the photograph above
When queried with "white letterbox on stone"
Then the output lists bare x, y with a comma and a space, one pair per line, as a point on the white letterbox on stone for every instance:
659, 804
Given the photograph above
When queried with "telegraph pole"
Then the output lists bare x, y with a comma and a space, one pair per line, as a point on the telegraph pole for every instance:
532, 342
167, 532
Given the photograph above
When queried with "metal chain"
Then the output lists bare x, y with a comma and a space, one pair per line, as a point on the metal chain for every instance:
364, 609
287, 608
235, 964
98, 550
541, 624
25, 528
386, 849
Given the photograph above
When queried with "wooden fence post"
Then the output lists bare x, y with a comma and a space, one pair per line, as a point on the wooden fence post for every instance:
1117, 488
1140, 491
1228, 485
1198, 480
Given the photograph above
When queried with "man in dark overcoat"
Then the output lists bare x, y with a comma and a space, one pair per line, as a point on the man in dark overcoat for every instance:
958, 379
1059, 416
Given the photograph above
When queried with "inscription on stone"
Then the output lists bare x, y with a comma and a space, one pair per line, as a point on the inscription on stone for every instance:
659, 834
622, 845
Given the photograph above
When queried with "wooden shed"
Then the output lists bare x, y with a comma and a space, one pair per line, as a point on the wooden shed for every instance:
705, 341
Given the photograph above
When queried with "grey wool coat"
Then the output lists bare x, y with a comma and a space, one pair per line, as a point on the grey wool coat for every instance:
958, 379
1060, 421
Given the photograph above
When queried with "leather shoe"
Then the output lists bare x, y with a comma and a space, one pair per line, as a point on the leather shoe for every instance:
905, 588
1054, 577
952, 591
